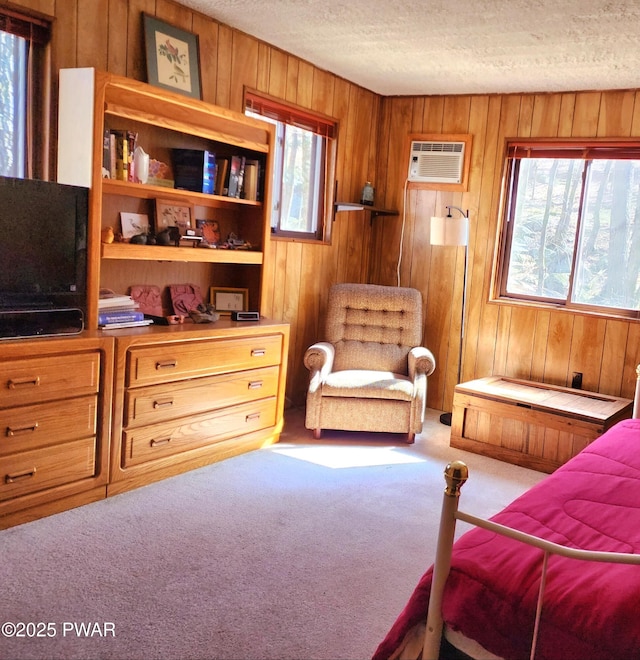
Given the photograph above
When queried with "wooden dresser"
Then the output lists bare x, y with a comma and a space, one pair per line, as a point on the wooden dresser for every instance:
186, 397
531, 424
55, 397
97, 414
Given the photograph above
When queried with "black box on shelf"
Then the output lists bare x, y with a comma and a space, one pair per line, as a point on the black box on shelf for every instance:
194, 170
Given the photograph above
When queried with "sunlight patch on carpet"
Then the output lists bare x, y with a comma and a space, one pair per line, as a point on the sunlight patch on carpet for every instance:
348, 457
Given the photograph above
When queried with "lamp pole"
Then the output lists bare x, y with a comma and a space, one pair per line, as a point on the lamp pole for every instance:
452, 232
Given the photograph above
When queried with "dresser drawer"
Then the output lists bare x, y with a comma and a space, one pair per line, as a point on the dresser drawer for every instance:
28, 427
30, 471
160, 440
158, 403
171, 362
48, 378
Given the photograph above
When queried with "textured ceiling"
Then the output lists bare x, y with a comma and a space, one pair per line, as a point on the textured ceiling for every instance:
398, 47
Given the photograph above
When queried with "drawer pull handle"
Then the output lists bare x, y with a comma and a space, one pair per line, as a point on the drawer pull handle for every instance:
252, 417
156, 442
255, 384
167, 364
29, 428
258, 352
12, 478
29, 381
162, 404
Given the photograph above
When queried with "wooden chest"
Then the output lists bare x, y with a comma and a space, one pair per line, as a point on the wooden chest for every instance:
531, 424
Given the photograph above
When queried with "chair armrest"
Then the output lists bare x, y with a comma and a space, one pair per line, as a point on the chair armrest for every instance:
421, 361
319, 357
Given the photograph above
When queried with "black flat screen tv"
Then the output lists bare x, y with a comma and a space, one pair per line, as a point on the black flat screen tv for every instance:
43, 246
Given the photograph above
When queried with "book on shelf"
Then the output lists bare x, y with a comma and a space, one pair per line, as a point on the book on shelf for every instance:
239, 191
250, 185
222, 177
119, 316
113, 300
112, 154
194, 169
127, 324
106, 153
159, 181
118, 148
122, 155
132, 143
233, 189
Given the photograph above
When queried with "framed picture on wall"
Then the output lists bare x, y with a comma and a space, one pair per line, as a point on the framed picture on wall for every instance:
227, 300
173, 57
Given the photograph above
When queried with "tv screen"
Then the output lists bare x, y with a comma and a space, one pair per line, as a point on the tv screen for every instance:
43, 244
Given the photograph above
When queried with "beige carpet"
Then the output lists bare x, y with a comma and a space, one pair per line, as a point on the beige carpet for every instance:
302, 551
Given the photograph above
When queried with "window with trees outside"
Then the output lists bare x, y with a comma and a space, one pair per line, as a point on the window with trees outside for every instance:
23, 112
303, 168
570, 233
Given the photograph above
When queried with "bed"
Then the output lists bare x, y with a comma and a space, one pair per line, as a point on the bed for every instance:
555, 575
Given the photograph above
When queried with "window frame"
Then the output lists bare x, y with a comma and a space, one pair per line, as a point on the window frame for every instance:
277, 110
517, 149
37, 30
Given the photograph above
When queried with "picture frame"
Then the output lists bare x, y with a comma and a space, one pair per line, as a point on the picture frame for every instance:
210, 231
133, 224
173, 57
229, 299
171, 213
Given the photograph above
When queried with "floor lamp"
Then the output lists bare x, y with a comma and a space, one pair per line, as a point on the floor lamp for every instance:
453, 231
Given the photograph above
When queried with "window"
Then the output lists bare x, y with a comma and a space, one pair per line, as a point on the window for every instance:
303, 168
571, 230
23, 113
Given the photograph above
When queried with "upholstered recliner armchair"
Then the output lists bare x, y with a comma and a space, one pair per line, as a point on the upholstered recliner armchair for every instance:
370, 372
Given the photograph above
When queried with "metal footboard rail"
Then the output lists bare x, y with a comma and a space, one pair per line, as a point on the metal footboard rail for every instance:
456, 473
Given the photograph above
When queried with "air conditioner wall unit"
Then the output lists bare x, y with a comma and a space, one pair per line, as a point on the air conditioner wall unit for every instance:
436, 161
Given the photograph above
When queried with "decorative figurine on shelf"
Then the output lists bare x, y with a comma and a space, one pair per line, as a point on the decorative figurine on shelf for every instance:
204, 313
108, 235
184, 298
168, 236
140, 165
368, 194
235, 243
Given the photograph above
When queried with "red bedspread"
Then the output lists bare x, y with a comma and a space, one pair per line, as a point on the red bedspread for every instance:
591, 610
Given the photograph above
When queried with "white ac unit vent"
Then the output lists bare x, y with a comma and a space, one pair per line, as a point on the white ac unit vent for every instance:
436, 162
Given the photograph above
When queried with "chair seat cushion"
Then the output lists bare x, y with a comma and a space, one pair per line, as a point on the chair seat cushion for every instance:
368, 383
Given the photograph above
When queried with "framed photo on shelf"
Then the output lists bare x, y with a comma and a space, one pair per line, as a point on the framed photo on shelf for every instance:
226, 300
133, 224
173, 58
210, 231
170, 213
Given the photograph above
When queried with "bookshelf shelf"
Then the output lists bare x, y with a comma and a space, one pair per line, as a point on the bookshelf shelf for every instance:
357, 206
126, 251
145, 191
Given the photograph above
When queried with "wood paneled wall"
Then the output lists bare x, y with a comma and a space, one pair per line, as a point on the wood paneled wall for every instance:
373, 133
517, 341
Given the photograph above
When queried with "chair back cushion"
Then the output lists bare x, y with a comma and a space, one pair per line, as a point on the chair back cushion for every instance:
373, 326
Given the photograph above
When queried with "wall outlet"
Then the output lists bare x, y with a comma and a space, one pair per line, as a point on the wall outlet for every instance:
576, 381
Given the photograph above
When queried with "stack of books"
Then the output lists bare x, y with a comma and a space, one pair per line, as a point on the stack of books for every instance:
119, 311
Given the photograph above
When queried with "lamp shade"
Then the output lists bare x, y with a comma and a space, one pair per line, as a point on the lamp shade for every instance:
449, 231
